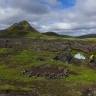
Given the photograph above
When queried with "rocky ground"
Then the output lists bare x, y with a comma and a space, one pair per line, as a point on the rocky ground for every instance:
18, 94
47, 70
47, 53
51, 45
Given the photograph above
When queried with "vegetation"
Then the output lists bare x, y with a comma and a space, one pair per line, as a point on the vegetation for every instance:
21, 29
87, 36
14, 60
57, 35
12, 79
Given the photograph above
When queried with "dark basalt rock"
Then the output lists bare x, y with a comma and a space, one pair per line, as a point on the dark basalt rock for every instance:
68, 58
63, 56
88, 92
50, 45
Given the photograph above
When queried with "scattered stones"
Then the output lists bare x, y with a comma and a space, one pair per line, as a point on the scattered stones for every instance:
23, 71
88, 92
3, 54
46, 70
50, 45
85, 92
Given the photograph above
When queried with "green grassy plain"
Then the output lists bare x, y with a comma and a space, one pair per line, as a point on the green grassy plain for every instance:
12, 79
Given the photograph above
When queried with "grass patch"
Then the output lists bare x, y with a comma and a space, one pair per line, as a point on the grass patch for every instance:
3, 50
12, 88
74, 52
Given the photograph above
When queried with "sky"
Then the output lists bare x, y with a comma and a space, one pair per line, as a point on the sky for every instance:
67, 17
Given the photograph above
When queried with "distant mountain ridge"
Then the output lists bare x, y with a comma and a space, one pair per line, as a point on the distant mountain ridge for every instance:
57, 35
87, 36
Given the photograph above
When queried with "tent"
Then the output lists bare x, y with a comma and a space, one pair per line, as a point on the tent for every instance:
79, 56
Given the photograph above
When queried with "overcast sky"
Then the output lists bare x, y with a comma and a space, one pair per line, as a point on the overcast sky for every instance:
68, 17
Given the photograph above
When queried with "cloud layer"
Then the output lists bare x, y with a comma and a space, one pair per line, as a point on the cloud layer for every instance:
48, 15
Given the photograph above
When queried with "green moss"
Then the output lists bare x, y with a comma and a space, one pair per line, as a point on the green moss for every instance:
12, 88
74, 52
83, 73
7, 87
3, 50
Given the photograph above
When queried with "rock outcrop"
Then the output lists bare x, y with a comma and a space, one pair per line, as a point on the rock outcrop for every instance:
63, 57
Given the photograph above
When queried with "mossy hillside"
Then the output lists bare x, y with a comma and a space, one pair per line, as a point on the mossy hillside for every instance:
20, 29
15, 33
23, 25
56, 35
87, 36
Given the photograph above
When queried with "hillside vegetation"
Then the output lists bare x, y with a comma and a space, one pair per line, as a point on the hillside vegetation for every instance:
21, 29
87, 36
57, 35
25, 30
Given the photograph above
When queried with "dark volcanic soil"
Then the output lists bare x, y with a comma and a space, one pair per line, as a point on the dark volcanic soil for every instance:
8, 93
47, 70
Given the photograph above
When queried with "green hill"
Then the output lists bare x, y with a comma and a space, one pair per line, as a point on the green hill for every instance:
57, 35
22, 26
20, 29
87, 36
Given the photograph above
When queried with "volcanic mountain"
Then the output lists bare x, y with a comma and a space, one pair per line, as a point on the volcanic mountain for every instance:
20, 29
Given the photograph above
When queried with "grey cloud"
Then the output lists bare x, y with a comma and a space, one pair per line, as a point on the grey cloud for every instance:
17, 10
81, 16
29, 6
77, 20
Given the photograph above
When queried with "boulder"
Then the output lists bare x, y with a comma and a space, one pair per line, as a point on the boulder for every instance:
64, 57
